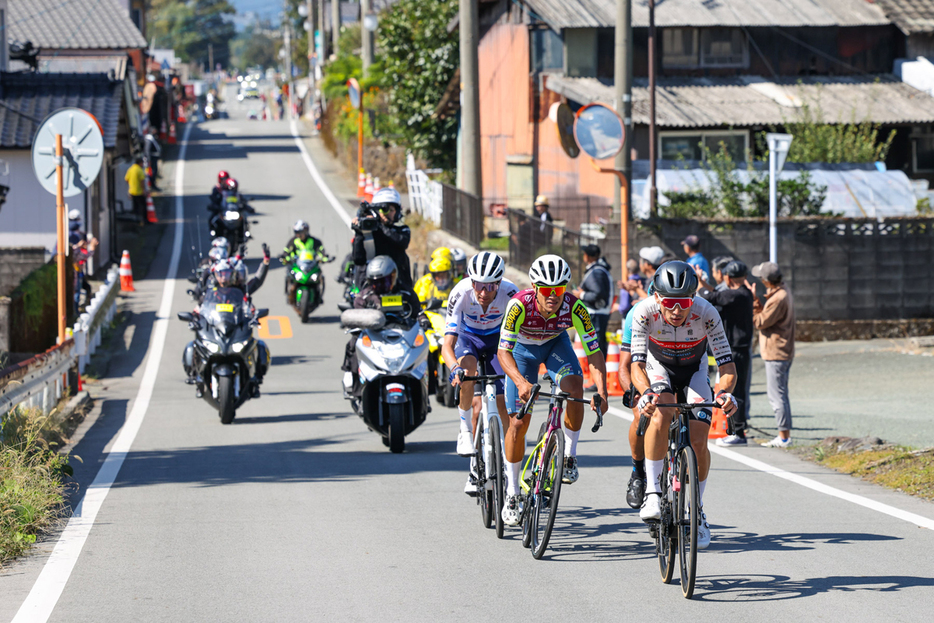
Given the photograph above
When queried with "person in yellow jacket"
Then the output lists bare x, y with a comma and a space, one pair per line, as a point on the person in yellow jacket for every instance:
438, 282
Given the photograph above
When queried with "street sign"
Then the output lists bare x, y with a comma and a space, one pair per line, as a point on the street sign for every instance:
82, 146
353, 87
599, 131
564, 119
779, 144
165, 65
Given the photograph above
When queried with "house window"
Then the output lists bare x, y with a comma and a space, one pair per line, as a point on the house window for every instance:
724, 47
923, 153
679, 47
547, 50
580, 46
690, 145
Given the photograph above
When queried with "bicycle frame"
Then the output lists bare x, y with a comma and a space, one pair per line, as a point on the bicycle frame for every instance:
555, 411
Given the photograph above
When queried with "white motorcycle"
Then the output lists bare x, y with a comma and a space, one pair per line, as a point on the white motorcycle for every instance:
391, 395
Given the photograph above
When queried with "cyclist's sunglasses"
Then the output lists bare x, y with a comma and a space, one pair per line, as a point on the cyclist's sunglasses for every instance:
683, 303
548, 291
485, 287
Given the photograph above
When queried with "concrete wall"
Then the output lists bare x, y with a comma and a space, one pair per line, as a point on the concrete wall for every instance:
16, 263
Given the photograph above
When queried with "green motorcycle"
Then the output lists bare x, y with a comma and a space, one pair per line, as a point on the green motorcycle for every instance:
305, 283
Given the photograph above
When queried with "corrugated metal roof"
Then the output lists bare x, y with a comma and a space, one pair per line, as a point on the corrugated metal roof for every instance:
752, 100
912, 16
73, 24
670, 13
37, 95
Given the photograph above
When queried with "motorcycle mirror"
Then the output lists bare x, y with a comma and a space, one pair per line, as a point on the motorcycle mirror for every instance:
187, 316
193, 278
434, 304
262, 313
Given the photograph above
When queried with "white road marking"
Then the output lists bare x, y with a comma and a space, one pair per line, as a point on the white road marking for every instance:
51, 581
310, 165
918, 520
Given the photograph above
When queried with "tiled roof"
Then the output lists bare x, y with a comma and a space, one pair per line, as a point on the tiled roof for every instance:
37, 95
912, 16
668, 13
73, 24
754, 101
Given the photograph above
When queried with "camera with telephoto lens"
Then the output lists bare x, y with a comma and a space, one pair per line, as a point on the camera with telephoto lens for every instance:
367, 218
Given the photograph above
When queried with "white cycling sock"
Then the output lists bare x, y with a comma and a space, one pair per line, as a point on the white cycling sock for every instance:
512, 477
466, 417
570, 442
701, 485
653, 470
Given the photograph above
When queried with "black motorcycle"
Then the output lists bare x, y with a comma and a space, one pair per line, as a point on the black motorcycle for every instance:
230, 219
225, 361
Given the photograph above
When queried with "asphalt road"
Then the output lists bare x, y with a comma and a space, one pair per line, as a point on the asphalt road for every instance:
296, 512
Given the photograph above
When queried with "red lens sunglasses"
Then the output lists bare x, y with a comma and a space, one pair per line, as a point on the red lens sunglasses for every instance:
548, 291
683, 303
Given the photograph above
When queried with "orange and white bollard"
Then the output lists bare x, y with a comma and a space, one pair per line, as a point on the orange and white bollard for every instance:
173, 140
613, 387
150, 210
376, 186
361, 183
368, 191
126, 273
582, 359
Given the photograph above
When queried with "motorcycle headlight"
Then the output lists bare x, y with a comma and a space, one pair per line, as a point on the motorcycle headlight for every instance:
239, 346
314, 277
212, 347
232, 215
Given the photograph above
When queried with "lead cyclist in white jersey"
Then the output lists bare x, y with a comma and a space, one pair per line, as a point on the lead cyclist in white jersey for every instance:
475, 312
670, 334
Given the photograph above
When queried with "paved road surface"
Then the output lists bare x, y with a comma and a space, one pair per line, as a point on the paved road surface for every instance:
296, 512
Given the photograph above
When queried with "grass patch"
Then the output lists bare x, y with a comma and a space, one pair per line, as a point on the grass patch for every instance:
495, 244
896, 467
33, 479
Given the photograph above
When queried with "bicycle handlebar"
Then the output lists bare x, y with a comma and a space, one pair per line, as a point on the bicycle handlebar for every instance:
536, 390
483, 379
689, 405
528, 405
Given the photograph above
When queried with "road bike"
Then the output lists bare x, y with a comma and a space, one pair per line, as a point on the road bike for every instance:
488, 453
543, 470
680, 499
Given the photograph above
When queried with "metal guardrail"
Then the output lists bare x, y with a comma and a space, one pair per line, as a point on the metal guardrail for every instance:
41, 381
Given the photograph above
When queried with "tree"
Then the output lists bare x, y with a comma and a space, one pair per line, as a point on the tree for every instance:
190, 27
419, 57
253, 48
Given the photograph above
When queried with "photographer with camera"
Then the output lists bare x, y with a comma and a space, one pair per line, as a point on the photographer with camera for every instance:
379, 230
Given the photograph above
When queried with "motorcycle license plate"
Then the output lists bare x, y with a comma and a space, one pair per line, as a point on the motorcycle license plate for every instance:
224, 307
391, 300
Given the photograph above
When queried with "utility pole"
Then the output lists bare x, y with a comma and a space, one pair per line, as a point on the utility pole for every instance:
311, 43
320, 33
211, 60
335, 24
653, 139
622, 76
471, 179
366, 35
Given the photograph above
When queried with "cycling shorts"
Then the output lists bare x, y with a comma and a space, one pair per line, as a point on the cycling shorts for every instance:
558, 356
480, 347
688, 384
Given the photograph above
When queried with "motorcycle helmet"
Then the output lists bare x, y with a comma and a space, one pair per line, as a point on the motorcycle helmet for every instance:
221, 242
222, 177
675, 279
460, 261
387, 196
218, 253
440, 269
300, 226
381, 273
232, 184
486, 267
550, 270
442, 252
224, 274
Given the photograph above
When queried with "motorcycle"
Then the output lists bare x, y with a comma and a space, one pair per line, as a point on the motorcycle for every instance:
391, 396
225, 361
305, 272
230, 220
438, 371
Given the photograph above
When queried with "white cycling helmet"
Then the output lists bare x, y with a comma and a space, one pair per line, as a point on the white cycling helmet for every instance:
486, 267
220, 242
550, 270
387, 195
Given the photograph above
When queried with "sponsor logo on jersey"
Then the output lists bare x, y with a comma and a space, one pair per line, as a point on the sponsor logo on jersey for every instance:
511, 318
584, 317
694, 317
592, 345
655, 316
506, 344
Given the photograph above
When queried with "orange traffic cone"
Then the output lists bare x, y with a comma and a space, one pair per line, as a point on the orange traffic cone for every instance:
582, 359
172, 138
181, 114
361, 183
126, 274
392, 184
542, 370
368, 191
150, 210
613, 387
376, 186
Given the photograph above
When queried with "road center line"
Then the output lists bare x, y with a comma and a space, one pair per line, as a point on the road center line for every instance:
51, 582
310, 165
756, 464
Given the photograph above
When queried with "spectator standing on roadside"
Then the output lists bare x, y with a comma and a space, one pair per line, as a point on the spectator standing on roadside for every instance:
691, 246
152, 151
735, 303
776, 324
135, 178
626, 301
650, 258
596, 291
716, 271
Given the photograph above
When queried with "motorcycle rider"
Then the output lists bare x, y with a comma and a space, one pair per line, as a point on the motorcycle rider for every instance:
301, 241
209, 278
437, 283
459, 256
384, 235
382, 278
217, 193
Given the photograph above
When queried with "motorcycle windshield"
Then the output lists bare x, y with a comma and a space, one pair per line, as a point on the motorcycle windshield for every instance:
223, 308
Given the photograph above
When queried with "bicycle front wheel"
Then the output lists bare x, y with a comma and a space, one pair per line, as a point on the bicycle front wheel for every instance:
665, 542
686, 516
496, 475
485, 497
548, 486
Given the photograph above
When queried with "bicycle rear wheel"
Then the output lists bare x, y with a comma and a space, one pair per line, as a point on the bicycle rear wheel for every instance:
485, 498
496, 474
686, 516
548, 484
665, 543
